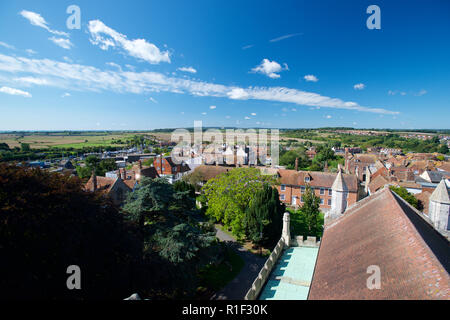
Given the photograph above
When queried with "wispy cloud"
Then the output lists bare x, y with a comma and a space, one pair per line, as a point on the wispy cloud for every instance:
65, 94
88, 78
287, 36
247, 46
270, 68
212, 107
63, 43
187, 69
7, 46
152, 100
30, 51
37, 20
359, 86
32, 80
105, 37
311, 78
15, 92
421, 93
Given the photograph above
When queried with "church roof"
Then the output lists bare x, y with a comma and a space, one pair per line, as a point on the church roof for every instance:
440, 194
384, 231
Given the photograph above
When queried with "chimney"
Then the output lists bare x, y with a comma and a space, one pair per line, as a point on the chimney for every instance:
296, 164
124, 174
94, 181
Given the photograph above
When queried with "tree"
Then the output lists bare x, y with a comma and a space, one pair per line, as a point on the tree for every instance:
402, 192
181, 185
47, 223
310, 209
195, 179
25, 147
172, 235
288, 159
263, 218
4, 146
228, 195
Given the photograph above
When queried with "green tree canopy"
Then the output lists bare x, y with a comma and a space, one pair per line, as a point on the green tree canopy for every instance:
263, 220
228, 195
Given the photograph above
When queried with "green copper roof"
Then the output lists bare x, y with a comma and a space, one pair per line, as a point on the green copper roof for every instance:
291, 277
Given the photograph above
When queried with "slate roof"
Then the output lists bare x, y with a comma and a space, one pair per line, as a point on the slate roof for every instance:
382, 230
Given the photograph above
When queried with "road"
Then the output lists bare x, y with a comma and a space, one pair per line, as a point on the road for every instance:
237, 288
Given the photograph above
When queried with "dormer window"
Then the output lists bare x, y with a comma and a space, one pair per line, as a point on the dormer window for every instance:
307, 179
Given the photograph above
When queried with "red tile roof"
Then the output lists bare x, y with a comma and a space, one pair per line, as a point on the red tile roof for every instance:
384, 231
318, 179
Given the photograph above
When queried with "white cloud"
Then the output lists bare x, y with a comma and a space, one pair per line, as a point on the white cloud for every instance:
15, 92
30, 51
227, 117
204, 113
247, 47
293, 109
253, 114
421, 93
269, 68
359, 86
152, 100
328, 117
187, 69
63, 43
65, 94
37, 20
311, 78
32, 80
87, 78
247, 118
7, 46
392, 93
105, 37
237, 94
287, 36
212, 107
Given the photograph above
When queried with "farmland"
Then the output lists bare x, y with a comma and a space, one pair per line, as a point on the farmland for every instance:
65, 140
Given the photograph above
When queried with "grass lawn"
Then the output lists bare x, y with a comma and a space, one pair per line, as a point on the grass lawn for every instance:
217, 277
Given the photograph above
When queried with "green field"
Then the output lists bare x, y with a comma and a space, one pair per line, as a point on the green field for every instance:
67, 139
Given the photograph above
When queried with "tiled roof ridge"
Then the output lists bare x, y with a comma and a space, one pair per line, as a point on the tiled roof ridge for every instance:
414, 229
361, 203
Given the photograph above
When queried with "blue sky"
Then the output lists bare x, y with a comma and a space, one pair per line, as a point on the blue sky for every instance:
139, 65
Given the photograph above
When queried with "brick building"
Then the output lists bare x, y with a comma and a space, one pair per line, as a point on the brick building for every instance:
293, 185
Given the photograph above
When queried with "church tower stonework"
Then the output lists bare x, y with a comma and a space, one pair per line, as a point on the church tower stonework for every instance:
439, 207
339, 192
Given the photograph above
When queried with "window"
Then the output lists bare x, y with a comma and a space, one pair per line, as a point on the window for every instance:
307, 179
330, 191
301, 199
322, 191
302, 189
282, 197
329, 202
321, 200
283, 187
